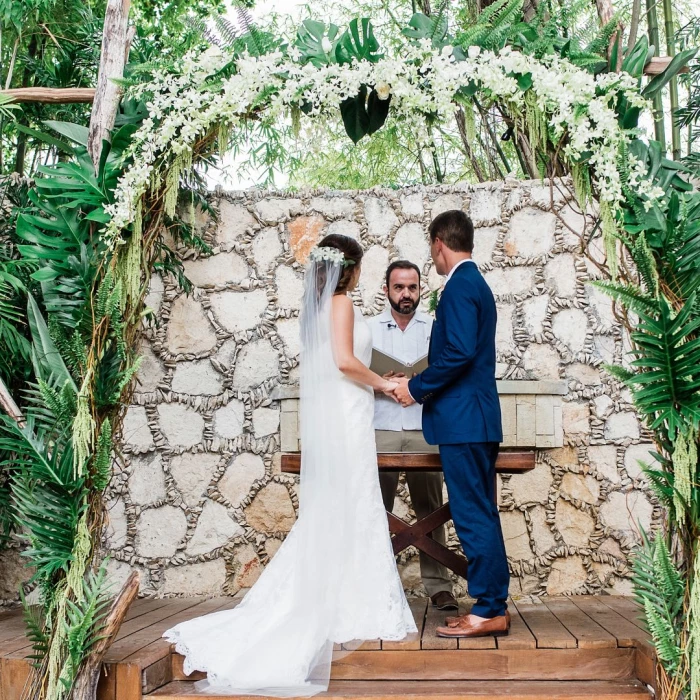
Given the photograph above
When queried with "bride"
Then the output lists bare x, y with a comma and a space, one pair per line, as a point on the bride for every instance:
334, 580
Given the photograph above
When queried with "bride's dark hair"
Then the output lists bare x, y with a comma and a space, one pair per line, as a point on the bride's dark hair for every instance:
352, 251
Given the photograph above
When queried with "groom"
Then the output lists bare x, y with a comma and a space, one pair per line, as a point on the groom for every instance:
461, 414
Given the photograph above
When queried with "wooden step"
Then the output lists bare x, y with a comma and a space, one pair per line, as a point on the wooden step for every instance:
474, 665
444, 690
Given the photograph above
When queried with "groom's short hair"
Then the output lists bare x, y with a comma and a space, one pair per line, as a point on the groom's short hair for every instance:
401, 265
455, 229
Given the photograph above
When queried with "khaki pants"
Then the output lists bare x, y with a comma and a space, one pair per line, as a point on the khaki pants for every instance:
425, 489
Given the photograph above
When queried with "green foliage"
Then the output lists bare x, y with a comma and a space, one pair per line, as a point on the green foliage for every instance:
660, 589
36, 631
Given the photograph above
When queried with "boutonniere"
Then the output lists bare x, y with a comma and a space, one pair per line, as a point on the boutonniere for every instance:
433, 301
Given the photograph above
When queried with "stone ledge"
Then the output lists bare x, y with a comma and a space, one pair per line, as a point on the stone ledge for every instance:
505, 387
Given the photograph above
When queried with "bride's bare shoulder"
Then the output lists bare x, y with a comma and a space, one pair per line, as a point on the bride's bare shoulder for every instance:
342, 302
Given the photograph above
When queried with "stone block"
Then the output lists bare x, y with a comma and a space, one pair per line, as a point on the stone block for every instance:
374, 264
266, 248
515, 535
604, 348
509, 418
180, 424
290, 288
411, 240
205, 578
15, 572
192, 473
485, 239
154, 297
560, 275
135, 430
159, 531
234, 221
584, 374
635, 454
196, 378
380, 217
150, 373
217, 270
243, 470
266, 421
525, 407
289, 432
343, 227
229, 419
575, 224
602, 305
247, 566
510, 280
288, 329
541, 361
533, 486
542, 536
189, 330
304, 234
504, 327
603, 458
566, 576
446, 202
147, 480
530, 233
535, 312
116, 529
626, 512
570, 327
272, 210
621, 426
576, 418
412, 204
239, 311
544, 416
574, 525
485, 206
333, 207
257, 362
271, 510
214, 529
580, 487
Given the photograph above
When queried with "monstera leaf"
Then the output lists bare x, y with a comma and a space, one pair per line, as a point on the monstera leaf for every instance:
358, 43
317, 45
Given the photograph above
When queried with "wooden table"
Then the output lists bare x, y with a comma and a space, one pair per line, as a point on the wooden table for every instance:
419, 533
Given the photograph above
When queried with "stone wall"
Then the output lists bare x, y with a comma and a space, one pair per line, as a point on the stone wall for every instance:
200, 505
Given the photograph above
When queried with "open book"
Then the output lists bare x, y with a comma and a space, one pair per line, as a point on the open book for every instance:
383, 362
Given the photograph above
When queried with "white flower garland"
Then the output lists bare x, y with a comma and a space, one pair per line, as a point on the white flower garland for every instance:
332, 255
422, 81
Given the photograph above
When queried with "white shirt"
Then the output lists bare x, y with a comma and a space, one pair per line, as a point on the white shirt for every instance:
407, 346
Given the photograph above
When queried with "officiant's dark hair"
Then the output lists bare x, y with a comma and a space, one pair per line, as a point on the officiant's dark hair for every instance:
401, 265
353, 255
455, 229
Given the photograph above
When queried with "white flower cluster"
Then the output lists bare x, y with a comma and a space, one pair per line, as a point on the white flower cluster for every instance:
327, 253
578, 106
639, 181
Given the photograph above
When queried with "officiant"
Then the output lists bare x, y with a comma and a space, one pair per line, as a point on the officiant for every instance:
403, 331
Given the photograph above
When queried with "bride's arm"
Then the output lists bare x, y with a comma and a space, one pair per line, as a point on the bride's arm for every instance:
343, 319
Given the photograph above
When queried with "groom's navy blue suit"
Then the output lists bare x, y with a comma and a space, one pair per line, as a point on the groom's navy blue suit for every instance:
462, 414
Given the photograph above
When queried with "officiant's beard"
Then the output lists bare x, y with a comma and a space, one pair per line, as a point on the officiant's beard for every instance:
405, 307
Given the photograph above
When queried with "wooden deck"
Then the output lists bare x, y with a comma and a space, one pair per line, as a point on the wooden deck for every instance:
558, 648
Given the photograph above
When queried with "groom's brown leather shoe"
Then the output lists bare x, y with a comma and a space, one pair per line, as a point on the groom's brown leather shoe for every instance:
493, 627
444, 600
454, 620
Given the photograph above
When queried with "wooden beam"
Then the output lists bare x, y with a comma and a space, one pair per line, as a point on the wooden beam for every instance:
51, 95
658, 64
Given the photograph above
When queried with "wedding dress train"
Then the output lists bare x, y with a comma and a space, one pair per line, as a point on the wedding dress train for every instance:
334, 579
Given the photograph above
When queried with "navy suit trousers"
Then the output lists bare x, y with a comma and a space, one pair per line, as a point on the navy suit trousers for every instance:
470, 470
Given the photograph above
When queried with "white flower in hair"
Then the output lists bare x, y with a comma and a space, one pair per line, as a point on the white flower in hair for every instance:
333, 255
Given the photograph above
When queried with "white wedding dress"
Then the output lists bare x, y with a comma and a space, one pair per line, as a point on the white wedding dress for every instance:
334, 579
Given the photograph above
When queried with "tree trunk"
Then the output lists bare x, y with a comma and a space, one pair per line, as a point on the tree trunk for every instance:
8, 404
116, 40
634, 24
673, 84
85, 687
653, 28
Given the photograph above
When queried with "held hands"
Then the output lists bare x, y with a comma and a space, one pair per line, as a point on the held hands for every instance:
401, 393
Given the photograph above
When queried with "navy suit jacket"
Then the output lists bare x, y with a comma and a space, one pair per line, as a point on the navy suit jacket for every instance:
458, 389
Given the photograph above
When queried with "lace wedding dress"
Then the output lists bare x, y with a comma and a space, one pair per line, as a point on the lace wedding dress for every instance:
334, 579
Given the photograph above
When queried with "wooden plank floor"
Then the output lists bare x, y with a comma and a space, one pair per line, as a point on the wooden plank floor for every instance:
578, 640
